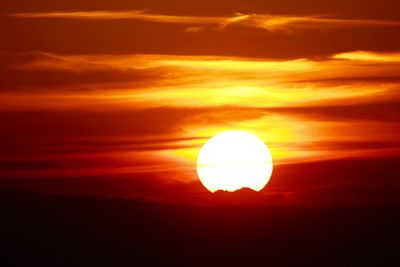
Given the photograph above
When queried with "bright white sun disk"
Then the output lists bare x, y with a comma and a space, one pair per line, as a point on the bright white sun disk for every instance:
233, 160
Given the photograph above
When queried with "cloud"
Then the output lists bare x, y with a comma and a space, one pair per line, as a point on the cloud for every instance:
150, 81
293, 23
122, 105
271, 23
368, 56
118, 15
382, 110
350, 181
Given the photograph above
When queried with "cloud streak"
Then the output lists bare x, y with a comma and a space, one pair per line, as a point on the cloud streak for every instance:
304, 109
151, 81
270, 23
367, 56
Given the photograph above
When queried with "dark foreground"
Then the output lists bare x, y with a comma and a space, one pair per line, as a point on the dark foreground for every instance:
42, 230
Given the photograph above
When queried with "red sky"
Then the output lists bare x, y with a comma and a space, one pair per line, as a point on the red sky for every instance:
117, 97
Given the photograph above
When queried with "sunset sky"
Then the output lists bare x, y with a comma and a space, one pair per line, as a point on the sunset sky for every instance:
116, 98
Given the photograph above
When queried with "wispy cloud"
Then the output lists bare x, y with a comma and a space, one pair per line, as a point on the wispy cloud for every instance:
211, 94
293, 23
368, 56
125, 15
152, 81
297, 106
271, 23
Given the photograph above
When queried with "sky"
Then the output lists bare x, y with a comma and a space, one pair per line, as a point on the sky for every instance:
116, 98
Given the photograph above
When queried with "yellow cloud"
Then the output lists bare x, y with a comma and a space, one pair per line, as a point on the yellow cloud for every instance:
369, 56
201, 81
267, 96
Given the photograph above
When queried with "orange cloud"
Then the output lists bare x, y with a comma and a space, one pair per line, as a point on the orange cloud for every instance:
369, 56
272, 23
201, 81
120, 15
291, 104
292, 23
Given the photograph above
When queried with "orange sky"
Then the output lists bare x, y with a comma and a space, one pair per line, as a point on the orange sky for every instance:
135, 89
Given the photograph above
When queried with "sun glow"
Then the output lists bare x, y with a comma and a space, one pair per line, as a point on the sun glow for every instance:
233, 160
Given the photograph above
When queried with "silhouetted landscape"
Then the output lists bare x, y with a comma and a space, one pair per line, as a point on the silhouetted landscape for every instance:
49, 230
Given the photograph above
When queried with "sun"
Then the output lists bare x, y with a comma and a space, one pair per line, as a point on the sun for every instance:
233, 160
